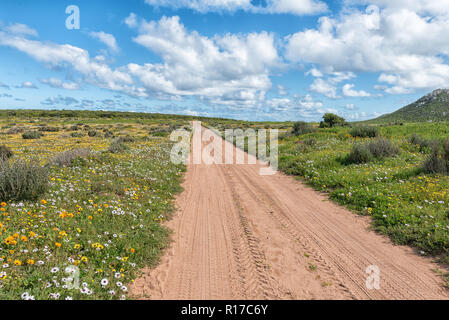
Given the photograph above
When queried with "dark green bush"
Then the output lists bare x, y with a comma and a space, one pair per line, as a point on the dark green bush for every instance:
21, 180
5, 153
77, 134
381, 148
438, 161
301, 127
108, 134
93, 133
360, 153
364, 132
377, 149
32, 135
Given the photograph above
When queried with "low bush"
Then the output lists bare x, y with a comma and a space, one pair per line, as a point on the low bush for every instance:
5, 153
381, 148
364, 132
32, 135
424, 145
67, 158
77, 134
93, 133
117, 147
49, 129
301, 127
377, 149
21, 180
360, 153
438, 161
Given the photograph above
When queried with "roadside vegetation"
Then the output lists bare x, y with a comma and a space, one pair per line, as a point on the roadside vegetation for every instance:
397, 174
92, 202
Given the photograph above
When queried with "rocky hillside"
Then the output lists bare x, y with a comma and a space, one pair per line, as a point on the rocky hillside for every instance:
432, 107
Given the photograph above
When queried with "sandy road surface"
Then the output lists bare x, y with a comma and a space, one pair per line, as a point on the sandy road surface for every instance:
240, 235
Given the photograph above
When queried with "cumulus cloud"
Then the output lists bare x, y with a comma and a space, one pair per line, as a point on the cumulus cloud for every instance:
348, 91
297, 7
324, 87
107, 39
375, 40
225, 69
56, 83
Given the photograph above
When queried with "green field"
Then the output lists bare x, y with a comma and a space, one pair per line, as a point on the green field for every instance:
100, 210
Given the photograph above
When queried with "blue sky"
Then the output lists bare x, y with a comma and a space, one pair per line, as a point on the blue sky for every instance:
252, 60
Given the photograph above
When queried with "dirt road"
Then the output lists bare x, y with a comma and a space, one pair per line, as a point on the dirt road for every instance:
240, 235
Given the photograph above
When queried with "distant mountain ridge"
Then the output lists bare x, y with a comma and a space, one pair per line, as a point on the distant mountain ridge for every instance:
432, 107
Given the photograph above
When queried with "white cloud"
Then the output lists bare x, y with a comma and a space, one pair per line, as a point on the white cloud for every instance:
348, 91
375, 40
21, 29
297, 7
60, 56
107, 39
27, 85
228, 69
56, 83
324, 87
131, 20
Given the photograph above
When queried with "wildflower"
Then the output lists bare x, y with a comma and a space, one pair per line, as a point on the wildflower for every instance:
17, 262
43, 201
54, 270
57, 244
3, 204
104, 282
30, 261
84, 259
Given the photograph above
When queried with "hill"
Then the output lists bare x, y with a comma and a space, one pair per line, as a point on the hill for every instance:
432, 107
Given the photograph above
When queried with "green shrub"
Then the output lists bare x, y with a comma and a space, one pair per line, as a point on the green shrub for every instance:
364, 132
301, 127
108, 134
360, 153
77, 134
93, 133
32, 135
117, 147
5, 153
21, 180
438, 161
381, 148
